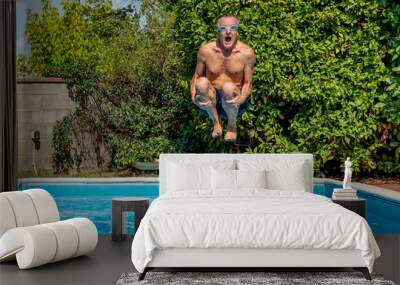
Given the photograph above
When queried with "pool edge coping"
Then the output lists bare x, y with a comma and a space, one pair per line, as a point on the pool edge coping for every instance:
387, 193
22, 181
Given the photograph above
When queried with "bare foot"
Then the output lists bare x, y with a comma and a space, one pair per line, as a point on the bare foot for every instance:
217, 130
230, 136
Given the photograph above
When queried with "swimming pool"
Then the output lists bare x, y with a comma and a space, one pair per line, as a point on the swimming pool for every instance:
93, 200
382, 211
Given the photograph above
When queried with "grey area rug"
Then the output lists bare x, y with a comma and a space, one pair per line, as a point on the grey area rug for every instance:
233, 278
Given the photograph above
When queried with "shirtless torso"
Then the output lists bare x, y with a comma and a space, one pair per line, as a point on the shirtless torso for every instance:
221, 69
224, 66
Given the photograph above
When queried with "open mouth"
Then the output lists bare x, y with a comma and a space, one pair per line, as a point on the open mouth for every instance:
228, 40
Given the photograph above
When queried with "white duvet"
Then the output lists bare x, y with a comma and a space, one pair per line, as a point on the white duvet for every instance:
250, 219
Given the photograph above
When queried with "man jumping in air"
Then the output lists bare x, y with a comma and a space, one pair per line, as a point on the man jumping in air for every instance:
221, 84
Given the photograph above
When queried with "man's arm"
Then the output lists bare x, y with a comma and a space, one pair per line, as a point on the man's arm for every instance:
199, 72
249, 59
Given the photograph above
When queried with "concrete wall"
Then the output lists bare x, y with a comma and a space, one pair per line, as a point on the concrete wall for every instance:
40, 103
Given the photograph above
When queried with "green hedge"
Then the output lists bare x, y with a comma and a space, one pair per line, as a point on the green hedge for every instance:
326, 80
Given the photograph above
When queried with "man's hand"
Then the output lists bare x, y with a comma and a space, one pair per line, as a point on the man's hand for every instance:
237, 100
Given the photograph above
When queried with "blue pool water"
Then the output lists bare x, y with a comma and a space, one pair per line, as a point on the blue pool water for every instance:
93, 201
382, 213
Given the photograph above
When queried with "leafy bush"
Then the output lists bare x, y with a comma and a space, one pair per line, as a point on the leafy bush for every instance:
74, 143
62, 145
324, 82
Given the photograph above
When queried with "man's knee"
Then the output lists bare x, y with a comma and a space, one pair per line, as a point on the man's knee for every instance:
228, 90
202, 85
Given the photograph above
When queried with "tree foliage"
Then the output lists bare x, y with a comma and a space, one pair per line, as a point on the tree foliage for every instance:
122, 76
326, 80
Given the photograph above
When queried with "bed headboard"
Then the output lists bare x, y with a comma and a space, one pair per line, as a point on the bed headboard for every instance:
210, 158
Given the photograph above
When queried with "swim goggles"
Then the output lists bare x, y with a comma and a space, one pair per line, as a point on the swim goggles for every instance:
221, 29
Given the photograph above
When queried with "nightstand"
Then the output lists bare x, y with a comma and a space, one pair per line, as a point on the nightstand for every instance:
358, 205
139, 205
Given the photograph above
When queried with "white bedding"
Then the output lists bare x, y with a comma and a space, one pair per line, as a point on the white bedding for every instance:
252, 218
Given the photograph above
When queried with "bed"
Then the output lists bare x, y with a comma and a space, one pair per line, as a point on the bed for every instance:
246, 211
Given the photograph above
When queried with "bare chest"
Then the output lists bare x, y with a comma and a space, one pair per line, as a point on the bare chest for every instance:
232, 66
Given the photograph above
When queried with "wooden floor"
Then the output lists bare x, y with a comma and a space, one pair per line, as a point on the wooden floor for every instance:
111, 259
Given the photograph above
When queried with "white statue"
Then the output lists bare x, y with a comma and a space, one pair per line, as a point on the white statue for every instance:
347, 174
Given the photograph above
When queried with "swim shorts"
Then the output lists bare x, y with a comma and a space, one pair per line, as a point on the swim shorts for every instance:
220, 109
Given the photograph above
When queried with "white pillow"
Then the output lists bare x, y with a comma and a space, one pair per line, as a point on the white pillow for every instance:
293, 179
186, 175
281, 174
223, 179
251, 178
227, 179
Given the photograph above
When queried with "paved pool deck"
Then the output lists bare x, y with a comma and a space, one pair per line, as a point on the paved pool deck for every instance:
390, 186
